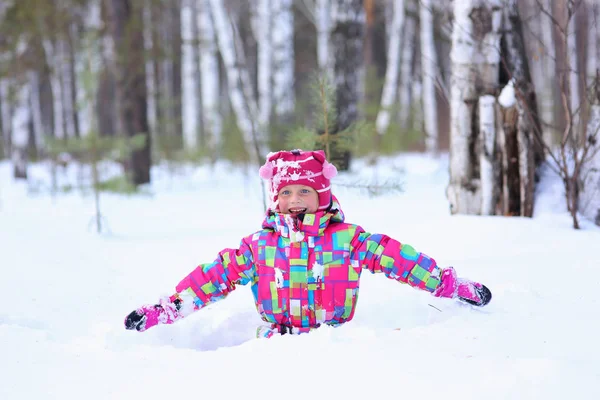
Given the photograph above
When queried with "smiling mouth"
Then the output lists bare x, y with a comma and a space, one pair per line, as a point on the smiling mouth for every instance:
297, 210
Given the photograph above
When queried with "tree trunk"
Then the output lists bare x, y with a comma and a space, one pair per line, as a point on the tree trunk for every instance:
209, 66
589, 201
508, 143
530, 151
88, 66
540, 47
191, 103
36, 142
5, 116
487, 122
242, 102
429, 70
282, 37
347, 42
323, 26
390, 85
176, 59
265, 63
57, 87
573, 69
127, 30
20, 133
406, 65
463, 189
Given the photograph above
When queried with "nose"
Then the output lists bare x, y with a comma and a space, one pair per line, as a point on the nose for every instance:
294, 199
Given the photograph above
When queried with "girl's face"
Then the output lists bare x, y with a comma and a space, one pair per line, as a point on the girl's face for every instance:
298, 199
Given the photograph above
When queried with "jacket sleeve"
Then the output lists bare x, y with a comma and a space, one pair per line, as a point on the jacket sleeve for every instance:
381, 253
214, 281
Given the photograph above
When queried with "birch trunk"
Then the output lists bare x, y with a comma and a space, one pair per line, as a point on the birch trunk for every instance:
390, 85
191, 104
463, 189
530, 152
323, 25
151, 78
547, 105
20, 132
406, 65
243, 106
589, 201
210, 79
475, 71
88, 65
487, 127
66, 81
428, 76
263, 29
282, 36
573, 72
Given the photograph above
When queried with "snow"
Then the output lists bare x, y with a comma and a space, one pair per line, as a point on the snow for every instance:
507, 95
66, 290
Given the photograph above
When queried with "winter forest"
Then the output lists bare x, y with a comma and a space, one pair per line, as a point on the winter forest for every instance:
502, 86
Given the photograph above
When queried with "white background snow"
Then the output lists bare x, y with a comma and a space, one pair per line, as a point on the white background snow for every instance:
65, 291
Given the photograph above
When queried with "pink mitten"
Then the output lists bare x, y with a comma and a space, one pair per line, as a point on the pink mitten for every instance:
465, 290
145, 317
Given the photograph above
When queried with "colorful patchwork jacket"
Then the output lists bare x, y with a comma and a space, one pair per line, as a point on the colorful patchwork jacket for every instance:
305, 273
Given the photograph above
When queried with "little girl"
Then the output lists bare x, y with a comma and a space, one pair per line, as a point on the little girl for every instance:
304, 264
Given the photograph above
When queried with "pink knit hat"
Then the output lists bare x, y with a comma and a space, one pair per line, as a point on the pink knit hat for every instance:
299, 167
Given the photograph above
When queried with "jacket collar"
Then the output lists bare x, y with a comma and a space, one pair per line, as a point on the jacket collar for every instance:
298, 228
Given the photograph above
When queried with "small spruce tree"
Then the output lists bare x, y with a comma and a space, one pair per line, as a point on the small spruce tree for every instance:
317, 135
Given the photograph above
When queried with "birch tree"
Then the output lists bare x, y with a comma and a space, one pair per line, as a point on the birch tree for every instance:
589, 203
406, 64
530, 153
484, 33
20, 131
572, 67
282, 36
429, 69
191, 102
390, 85
543, 64
210, 77
243, 103
89, 66
263, 28
463, 189
323, 25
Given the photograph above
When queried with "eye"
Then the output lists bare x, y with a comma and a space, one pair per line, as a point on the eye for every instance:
284, 193
305, 191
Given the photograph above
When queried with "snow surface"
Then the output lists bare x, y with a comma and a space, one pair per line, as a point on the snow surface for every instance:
66, 290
